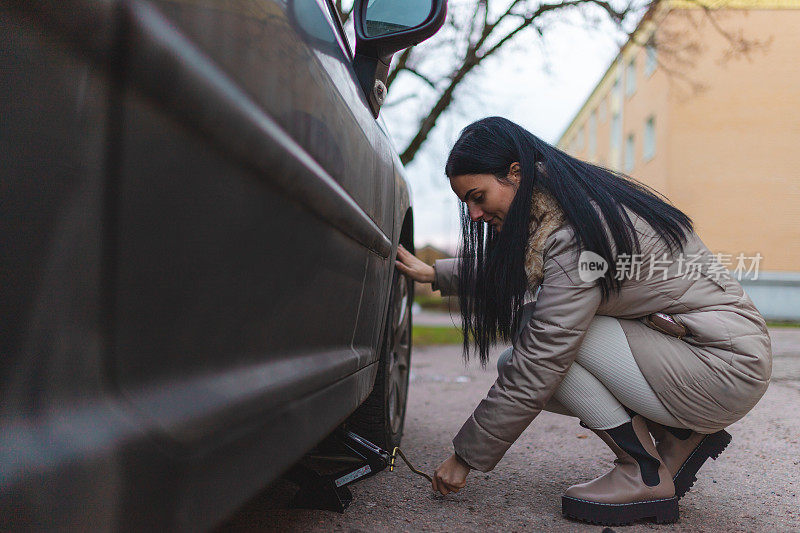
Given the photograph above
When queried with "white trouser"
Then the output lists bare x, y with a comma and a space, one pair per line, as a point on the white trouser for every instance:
603, 378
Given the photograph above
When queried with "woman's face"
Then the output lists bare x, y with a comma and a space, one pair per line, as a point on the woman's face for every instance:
487, 198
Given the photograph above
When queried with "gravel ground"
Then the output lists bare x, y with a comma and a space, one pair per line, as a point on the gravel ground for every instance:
752, 487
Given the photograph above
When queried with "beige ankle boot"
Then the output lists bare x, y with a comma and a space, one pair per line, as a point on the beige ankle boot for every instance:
684, 456
639, 486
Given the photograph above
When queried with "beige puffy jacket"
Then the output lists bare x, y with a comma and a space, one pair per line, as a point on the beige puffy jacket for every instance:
707, 380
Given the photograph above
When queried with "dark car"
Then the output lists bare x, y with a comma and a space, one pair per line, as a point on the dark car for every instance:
199, 215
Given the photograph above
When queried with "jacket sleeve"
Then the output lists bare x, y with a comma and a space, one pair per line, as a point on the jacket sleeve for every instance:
445, 277
543, 352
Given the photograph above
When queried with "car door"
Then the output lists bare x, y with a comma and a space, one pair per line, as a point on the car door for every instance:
199, 215
239, 275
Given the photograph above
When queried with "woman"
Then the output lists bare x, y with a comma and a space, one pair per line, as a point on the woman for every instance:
601, 253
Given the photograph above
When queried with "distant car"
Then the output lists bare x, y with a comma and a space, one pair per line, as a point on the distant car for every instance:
199, 215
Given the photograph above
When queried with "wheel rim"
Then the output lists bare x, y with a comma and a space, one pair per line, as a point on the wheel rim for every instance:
399, 354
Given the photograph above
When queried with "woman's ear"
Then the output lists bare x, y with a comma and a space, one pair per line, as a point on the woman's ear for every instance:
514, 172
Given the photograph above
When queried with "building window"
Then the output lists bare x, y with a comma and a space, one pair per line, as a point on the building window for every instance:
651, 60
601, 109
649, 148
593, 134
616, 131
630, 78
615, 91
579, 140
629, 153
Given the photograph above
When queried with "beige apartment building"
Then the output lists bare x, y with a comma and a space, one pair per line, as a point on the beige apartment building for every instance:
710, 117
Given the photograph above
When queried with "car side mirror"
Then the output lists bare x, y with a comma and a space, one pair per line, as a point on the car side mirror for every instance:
384, 27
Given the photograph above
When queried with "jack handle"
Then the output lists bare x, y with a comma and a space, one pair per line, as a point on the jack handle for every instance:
402, 455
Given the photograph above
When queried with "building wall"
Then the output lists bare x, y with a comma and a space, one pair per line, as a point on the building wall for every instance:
650, 99
734, 161
725, 152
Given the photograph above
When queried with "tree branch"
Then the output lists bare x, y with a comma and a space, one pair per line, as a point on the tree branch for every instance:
421, 76
400, 65
428, 122
399, 100
473, 58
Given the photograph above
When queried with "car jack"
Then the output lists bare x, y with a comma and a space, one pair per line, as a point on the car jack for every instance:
329, 491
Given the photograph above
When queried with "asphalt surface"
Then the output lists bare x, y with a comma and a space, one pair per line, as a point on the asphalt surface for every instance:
753, 486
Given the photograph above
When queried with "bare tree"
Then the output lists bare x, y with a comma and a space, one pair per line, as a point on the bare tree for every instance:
476, 30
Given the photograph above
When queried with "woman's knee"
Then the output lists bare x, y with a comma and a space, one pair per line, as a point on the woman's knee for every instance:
604, 342
606, 354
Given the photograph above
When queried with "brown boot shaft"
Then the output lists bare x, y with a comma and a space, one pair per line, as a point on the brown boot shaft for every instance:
684, 455
639, 473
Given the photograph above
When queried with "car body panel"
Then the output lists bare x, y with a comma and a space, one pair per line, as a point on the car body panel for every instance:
208, 250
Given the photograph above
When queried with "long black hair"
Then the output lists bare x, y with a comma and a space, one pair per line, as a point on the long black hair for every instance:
492, 280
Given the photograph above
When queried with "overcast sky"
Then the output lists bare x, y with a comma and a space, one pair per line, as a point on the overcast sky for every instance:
539, 89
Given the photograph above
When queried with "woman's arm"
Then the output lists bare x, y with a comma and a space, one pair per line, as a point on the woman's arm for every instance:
543, 352
445, 276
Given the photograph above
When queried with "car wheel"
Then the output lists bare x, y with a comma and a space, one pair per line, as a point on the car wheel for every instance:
380, 418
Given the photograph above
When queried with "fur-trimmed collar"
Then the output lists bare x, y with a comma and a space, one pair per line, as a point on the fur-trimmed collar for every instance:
546, 217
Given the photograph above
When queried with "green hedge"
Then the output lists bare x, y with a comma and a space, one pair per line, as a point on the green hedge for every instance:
436, 335
436, 303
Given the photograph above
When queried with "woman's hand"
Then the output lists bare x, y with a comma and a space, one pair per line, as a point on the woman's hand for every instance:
414, 268
451, 476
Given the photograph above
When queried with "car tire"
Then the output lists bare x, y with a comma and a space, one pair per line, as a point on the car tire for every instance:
381, 417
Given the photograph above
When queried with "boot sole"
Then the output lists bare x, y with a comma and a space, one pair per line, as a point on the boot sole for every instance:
711, 446
663, 511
